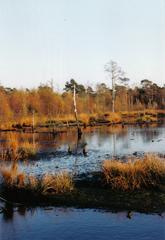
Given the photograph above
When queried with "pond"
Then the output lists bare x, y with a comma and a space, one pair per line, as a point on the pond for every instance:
100, 143
71, 223
83, 224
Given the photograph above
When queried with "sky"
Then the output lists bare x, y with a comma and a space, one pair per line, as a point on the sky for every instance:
42, 40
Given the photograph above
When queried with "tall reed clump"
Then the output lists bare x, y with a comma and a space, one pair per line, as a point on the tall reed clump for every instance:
27, 149
13, 148
59, 183
11, 176
145, 173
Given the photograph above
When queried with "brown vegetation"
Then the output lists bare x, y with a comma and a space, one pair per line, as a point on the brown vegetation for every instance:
54, 184
113, 188
14, 148
146, 173
19, 106
136, 174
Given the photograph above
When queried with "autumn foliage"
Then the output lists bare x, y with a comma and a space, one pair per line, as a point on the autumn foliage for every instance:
18, 105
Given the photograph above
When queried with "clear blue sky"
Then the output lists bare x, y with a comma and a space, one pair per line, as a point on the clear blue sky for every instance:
63, 39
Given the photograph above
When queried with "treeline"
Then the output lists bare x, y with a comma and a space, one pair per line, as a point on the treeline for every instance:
16, 104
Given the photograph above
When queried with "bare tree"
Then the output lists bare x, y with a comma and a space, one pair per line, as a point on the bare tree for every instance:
115, 73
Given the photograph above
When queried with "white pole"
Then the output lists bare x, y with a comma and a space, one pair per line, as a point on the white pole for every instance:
33, 120
75, 105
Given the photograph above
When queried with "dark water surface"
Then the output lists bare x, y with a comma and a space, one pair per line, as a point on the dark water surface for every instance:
82, 224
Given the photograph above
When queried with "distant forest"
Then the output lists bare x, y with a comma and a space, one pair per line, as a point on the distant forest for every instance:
18, 104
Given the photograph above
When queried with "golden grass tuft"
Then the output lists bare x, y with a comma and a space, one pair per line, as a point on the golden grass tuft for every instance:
145, 173
84, 118
147, 118
14, 148
59, 183
11, 176
114, 117
27, 149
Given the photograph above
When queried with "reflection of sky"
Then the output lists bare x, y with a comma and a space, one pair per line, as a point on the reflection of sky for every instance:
102, 145
135, 139
82, 224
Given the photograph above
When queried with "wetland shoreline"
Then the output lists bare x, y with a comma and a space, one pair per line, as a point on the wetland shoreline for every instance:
97, 190
147, 201
89, 191
58, 125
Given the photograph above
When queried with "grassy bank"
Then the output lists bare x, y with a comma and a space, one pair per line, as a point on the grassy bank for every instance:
146, 173
65, 121
135, 185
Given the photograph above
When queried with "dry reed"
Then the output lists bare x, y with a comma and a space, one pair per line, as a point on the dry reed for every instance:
148, 172
15, 148
58, 183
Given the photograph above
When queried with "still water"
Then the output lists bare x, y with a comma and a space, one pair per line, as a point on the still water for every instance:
82, 224
101, 143
70, 223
